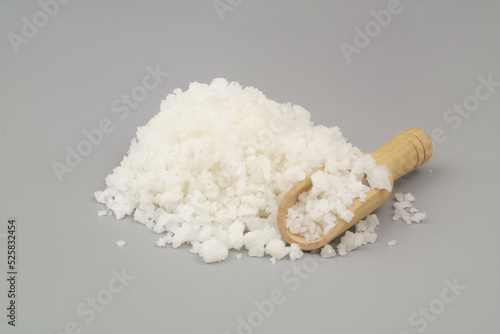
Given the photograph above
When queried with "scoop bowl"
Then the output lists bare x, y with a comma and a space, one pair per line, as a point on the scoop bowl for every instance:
403, 153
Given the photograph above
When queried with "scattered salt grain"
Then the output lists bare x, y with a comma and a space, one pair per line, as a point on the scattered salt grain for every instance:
404, 209
273, 260
102, 213
295, 252
328, 251
238, 256
400, 197
161, 242
410, 197
392, 243
121, 243
341, 250
417, 217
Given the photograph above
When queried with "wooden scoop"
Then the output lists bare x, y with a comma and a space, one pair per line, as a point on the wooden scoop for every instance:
408, 150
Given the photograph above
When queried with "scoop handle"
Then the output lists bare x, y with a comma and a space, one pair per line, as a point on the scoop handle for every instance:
406, 151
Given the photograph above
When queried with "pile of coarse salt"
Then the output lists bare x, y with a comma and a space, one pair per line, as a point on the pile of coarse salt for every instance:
211, 168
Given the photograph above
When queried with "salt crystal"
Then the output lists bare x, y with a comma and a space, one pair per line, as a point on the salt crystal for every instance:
404, 209
161, 242
295, 252
213, 251
410, 197
255, 243
277, 249
120, 243
392, 243
364, 234
351, 241
196, 247
341, 250
400, 196
418, 217
328, 251
102, 213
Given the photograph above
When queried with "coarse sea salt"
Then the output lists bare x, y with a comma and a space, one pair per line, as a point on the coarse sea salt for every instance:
364, 234
328, 251
404, 209
101, 213
211, 168
333, 191
392, 243
121, 243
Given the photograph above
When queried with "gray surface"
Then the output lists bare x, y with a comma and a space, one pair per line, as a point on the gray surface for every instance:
64, 80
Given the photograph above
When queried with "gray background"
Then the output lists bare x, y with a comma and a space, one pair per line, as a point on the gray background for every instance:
65, 78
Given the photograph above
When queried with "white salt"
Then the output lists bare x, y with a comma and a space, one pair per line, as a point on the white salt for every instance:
418, 217
364, 234
277, 248
211, 168
341, 250
400, 197
213, 250
121, 243
161, 242
101, 213
295, 252
404, 209
328, 251
410, 197
392, 243
333, 191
